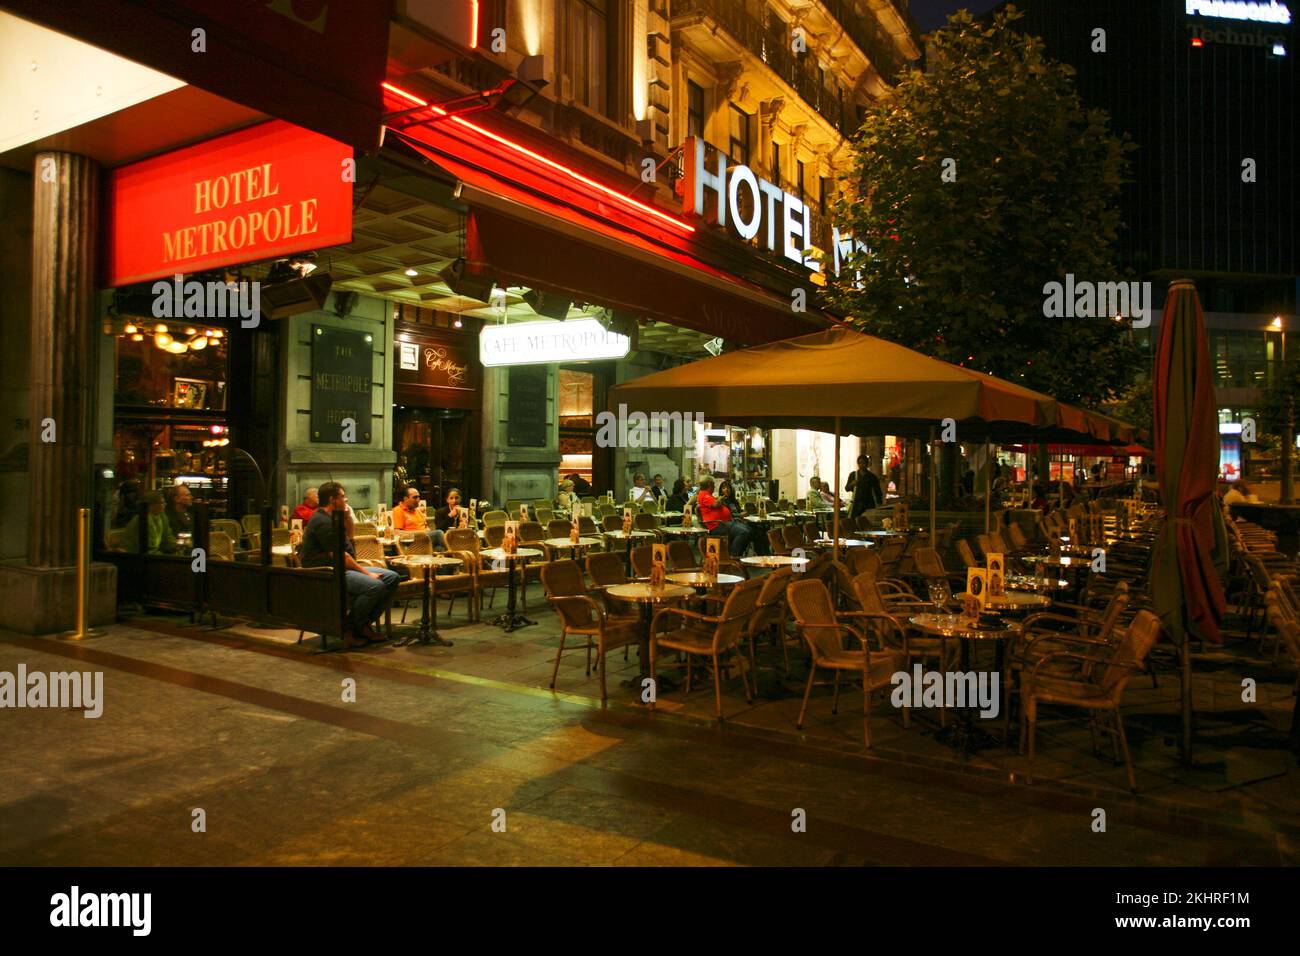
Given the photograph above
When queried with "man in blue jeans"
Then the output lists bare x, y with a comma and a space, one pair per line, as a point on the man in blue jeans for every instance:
372, 589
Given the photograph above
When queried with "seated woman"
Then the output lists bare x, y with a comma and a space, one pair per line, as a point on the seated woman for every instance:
567, 497
679, 496
756, 533
449, 516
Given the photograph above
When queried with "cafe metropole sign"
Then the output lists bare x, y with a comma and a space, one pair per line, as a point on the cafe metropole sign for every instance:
733, 196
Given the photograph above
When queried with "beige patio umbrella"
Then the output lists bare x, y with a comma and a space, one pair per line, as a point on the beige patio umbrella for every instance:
844, 382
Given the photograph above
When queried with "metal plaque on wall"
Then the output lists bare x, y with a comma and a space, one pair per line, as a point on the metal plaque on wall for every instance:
341, 363
527, 426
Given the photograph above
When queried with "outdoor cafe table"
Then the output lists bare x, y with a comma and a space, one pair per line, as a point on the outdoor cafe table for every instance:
511, 619
428, 630
676, 529
648, 597
704, 582
1015, 602
843, 543
964, 736
776, 561
582, 544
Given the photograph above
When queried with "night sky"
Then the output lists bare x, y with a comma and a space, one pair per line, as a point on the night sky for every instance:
931, 14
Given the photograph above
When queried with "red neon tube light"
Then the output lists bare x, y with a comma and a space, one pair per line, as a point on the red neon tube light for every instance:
552, 164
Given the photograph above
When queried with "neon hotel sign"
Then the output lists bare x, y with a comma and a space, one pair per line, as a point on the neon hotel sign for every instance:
749, 206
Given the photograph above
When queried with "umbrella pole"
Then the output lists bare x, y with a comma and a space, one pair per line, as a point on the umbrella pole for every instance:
933, 485
988, 483
1187, 699
835, 520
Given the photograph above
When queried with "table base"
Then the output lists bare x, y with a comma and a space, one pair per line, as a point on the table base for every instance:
426, 637
511, 621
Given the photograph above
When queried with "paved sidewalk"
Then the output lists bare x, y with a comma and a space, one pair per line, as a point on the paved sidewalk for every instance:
441, 743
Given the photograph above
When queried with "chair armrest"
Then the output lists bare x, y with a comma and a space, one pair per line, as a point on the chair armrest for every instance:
876, 616
1089, 658
592, 607
1034, 618
681, 612
1061, 637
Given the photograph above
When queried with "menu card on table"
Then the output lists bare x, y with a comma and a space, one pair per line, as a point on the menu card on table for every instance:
658, 566
997, 586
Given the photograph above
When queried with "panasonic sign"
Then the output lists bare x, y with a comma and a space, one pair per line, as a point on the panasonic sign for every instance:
1257, 12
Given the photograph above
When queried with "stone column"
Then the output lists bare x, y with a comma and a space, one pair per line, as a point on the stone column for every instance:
64, 235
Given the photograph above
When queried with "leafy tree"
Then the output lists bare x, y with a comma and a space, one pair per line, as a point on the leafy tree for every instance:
956, 269
1279, 417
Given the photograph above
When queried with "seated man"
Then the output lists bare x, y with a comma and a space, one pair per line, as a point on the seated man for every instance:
407, 516
159, 538
308, 507
640, 493
372, 589
716, 516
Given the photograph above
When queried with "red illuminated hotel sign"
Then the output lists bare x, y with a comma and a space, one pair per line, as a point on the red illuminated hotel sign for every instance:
259, 193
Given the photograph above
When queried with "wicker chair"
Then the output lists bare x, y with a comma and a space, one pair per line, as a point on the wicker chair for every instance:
642, 560
646, 522
531, 534
929, 567
544, 516
891, 553
1048, 632
707, 635
220, 546
770, 612
966, 555
606, 568
681, 556
1098, 688
580, 613
229, 527
250, 523
612, 522
558, 528
810, 602
495, 517
466, 542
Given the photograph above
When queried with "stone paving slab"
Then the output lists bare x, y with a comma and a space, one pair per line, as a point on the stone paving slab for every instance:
254, 730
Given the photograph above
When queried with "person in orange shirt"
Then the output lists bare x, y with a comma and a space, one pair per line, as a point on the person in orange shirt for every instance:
407, 516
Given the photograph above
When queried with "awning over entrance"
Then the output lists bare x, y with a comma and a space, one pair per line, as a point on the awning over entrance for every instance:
560, 231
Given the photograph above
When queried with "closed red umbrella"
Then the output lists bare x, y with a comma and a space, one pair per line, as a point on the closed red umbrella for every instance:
1186, 590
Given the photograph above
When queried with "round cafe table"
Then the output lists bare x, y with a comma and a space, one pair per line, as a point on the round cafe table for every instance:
649, 598
704, 582
843, 543
678, 530
428, 629
963, 735
511, 619
574, 547
776, 561
1015, 602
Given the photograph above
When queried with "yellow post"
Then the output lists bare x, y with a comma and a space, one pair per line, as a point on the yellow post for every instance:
83, 630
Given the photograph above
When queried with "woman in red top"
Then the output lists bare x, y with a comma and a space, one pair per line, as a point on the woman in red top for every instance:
716, 516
